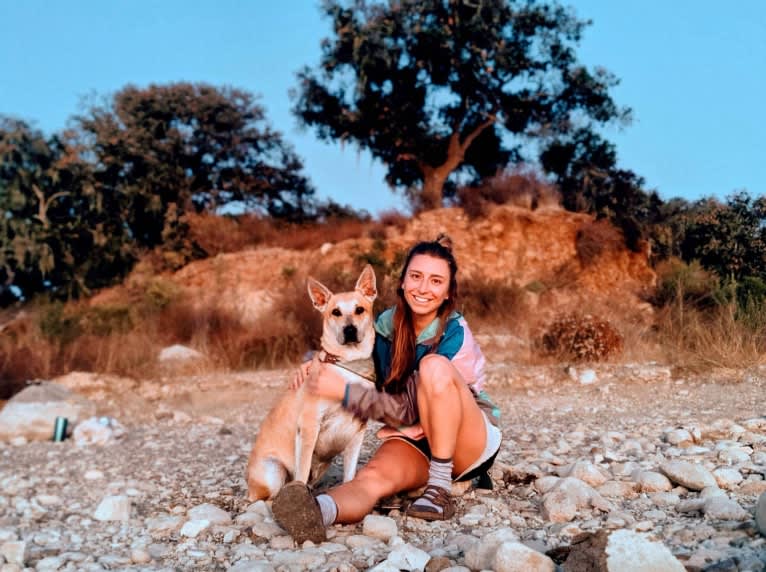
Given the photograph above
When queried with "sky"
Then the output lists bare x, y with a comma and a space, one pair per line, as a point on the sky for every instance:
693, 72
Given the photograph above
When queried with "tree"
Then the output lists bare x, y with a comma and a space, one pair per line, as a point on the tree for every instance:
56, 234
163, 151
440, 90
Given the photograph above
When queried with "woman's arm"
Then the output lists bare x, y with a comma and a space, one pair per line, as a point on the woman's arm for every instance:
365, 401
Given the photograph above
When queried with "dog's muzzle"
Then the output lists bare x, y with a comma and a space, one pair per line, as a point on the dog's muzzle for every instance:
350, 335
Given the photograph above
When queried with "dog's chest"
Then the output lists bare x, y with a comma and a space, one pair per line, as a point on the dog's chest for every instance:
336, 428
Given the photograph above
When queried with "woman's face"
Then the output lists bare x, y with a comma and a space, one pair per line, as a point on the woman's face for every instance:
426, 286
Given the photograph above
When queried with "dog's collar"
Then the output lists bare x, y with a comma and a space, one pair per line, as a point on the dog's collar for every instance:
364, 368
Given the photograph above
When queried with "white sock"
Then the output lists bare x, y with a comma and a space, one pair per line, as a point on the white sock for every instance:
439, 475
329, 509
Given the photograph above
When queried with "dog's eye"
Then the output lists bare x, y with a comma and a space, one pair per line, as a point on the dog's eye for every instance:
336, 312
359, 310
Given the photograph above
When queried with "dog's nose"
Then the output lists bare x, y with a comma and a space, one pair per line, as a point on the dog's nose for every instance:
350, 335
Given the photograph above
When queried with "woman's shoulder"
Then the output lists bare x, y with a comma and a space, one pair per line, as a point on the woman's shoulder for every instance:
384, 323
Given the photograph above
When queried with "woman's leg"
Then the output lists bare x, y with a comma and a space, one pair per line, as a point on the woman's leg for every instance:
396, 466
450, 417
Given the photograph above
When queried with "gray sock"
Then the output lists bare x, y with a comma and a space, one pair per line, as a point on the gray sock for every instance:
329, 509
439, 475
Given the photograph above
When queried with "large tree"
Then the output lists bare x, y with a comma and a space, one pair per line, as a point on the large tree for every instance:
57, 235
166, 150
446, 89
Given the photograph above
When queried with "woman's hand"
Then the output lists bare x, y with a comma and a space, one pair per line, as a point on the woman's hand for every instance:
301, 375
325, 381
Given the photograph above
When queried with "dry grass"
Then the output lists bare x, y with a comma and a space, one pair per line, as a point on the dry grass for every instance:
520, 187
581, 337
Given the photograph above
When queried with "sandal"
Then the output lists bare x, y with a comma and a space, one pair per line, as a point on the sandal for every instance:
437, 496
296, 510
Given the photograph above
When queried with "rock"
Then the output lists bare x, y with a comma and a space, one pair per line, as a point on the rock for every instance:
437, 564
679, 437
97, 431
516, 557
690, 475
620, 551
587, 377
210, 513
733, 456
482, 555
651, 482
587, 472
164, 524
32, 412
14, 552
723, 508
113, 508
408, 557
618, 489
569, 495
727, 478
140, 556
760, 514
178, 353
252, 566
193, 528
381, 527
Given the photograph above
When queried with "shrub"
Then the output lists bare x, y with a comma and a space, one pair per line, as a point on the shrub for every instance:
595, 238
581, 337
491, 301
522, 188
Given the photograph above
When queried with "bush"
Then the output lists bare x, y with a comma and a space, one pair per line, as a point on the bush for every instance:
522, 188
582, 337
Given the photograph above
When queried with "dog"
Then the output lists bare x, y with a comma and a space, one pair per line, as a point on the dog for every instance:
302, 434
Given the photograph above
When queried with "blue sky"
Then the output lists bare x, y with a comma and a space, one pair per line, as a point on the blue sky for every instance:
694, 73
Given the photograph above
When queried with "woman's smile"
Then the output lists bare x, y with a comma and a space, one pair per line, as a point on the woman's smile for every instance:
426, 287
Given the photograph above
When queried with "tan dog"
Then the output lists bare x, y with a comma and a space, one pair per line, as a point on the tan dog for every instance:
302, 434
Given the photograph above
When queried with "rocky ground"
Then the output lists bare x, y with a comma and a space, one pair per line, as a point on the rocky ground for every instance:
680, 459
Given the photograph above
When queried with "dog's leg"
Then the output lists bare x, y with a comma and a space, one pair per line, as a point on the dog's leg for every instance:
265, 478
351, 455
306, 440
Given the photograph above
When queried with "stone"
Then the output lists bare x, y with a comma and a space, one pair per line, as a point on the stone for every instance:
14, 552
211, 513
690, 475
252, 566
408, 557
482, 555
164, 524
723, 508
97, 431
381, 527
32, 412
437, 564
651, 482
113, 508
516, 557
760, 514
178, 353
193, 528
733, 456
679, 437
619, 551
587, 472
727, 478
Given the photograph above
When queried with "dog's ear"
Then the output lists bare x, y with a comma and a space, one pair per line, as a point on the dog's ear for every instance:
319, 293
366, 285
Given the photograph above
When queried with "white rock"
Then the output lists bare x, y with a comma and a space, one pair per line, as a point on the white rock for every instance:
679, 437
723, 508
306, 559
164, 524
381, 527
140, 556
545, 484
733, 456
252, 566
727, 478
14, 552
178, 352
516, 557
481, 556
210, 513
587, 377
651, 482
93, 475
587, 472
193, 528
690, 475
408, 557
113, 508
629, 551
49, 564
32, 412
97, 431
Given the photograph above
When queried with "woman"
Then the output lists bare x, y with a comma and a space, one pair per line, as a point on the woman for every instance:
440, 425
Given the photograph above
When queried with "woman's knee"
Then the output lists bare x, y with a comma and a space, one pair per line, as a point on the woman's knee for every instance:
436, 373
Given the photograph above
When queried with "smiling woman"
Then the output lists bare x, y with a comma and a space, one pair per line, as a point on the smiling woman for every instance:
440, 426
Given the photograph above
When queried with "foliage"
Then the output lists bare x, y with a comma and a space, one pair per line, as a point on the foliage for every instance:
523, 188
582, 337
441, 90
57, 235
167, 150
728, 238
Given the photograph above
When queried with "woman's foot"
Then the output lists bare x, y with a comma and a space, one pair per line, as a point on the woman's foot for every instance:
434, 504
296, 510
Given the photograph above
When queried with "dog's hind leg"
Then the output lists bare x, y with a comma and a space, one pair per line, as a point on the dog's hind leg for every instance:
351, 456
265, 479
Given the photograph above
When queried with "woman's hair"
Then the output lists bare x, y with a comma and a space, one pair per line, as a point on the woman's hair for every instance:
404, 342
